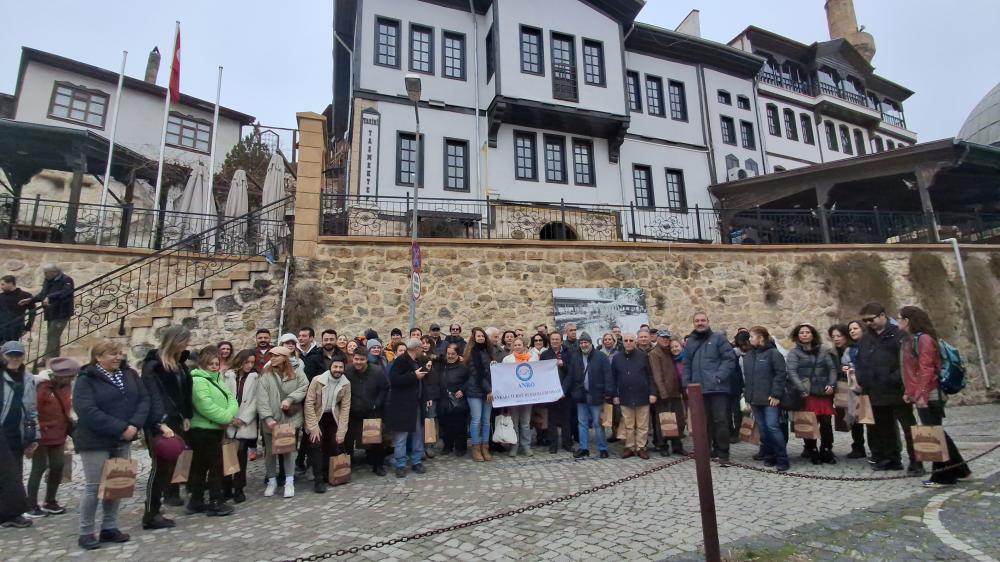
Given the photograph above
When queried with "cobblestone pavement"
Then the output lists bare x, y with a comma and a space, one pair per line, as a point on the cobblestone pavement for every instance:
656, 517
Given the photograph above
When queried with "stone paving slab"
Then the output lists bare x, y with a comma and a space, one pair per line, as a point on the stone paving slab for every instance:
651, 518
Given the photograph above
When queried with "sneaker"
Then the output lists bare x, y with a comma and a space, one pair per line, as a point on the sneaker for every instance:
34, 513
680, 452
400, 473
856, 454
252, 454
419, 468
932, 484
604, 454
86, 542
581, 453
915, 469
723, 461
770, 462
319, 487
379, 470
239, 497
528, 452
272, 485
113, 535
195, 506
289, 487
887, 465
53, 508
300, 472
664, 451
781, 468
18, 522
219, 509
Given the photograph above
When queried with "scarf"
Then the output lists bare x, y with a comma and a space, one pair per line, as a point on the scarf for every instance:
330, 390
522, 357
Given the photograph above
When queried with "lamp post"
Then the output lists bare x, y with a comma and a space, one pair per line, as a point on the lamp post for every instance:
413, 89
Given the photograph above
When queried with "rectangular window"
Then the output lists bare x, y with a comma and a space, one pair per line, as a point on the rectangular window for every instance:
728, 130
491, 56
593, 62
187, 132
743, 102
845, 140
532, 56
725, 97
456, 165
642, 181
678, 101
387, 42
78, 104
773, 124
564, 85
859, 141
831, 136
676, 194
406, 158
525, 158
421, 49
807, 129
791, 131
747, 135
634, 98
654, 95
583, 162
555, 159
453, 55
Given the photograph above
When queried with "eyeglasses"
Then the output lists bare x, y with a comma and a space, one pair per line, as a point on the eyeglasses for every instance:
868, 320
628, 340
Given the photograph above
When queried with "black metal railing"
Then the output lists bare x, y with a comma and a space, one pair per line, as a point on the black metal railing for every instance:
853, 97
388, 216
188, 262
786, 83
42, 220
894, 120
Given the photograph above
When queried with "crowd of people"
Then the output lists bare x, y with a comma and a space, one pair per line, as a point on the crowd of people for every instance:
302, 403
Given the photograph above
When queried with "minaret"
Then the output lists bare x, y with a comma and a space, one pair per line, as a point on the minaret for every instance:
843, 23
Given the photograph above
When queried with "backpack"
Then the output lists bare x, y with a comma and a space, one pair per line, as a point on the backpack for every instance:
952, 377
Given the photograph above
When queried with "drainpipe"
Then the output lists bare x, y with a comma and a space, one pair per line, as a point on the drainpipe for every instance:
284, 294
479, 139
706, 128
760, 128
972, 314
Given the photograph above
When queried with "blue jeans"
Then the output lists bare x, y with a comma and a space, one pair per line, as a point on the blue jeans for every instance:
772, 440
479, 423
412, 441
588, 414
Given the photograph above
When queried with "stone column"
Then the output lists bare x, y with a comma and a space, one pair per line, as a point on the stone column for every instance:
309, 185
925, 179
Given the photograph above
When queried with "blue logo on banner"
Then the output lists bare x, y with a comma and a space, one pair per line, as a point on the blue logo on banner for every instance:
523, 372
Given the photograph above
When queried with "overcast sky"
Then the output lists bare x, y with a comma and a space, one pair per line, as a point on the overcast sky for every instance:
277, 54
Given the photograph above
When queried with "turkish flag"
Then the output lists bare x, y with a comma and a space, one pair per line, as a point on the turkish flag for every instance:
175, 70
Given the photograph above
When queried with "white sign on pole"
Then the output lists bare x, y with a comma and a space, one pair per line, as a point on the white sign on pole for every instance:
519, 384
370, 133
415, 286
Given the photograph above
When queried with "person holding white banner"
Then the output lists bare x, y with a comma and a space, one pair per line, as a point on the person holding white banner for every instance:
521, 415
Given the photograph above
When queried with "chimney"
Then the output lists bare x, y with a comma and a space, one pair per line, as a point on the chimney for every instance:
843, 24
153, 65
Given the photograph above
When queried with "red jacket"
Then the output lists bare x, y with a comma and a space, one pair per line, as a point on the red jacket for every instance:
55, 406
921, 371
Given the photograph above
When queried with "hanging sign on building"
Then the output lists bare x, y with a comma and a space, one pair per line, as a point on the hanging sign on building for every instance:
370, 125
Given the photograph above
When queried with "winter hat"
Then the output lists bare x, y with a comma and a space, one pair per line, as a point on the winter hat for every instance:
168, 448
663, 334
280, 350
288, 337
371, 334
11, 348
63, 367
372, 342
585, 337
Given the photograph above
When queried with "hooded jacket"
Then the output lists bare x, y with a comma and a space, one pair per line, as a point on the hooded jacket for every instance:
765, 372
103, 411
214, 404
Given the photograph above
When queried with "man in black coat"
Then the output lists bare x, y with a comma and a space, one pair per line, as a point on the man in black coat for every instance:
561, 413
633, 391
881, 378
11, 309
368, 392
403, 408
57, 300
589, 384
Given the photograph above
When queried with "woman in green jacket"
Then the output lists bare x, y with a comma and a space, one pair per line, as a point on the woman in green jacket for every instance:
281, 389
215, 409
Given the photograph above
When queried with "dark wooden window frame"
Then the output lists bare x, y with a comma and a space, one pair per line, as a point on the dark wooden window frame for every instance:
675, 178
791, 127
90, 93
727, 122
588, 145
560, 142
658, 109
845, 139
420, 28
399, 158
743, 102
649, 197
773, 120
573, 80
637, 91
465, 164
747, 135
539, 35
676, 89
599, 45
831, 136
533, 136
379, 20
724, 97
191, 119
454, 36
808, 136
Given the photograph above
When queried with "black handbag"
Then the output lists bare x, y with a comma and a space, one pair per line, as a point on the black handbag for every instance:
451, 406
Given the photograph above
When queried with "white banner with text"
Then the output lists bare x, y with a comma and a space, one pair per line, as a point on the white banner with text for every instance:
520, 384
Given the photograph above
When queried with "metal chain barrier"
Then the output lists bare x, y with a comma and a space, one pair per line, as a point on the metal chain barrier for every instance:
487, 519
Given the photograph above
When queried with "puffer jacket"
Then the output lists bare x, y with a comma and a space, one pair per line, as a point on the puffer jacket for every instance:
765, 374
811, 370
369, 389
709, 360
214, 404
170, 393
453, 376
55, 411
479, 383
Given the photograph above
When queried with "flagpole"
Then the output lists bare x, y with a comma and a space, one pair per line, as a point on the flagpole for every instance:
215, 139
111, 149
163, 143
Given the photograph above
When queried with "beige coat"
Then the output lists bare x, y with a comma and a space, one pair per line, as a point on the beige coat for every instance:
272, 390
318, 401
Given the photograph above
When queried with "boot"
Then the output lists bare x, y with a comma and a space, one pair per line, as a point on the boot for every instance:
826, 456
814, 455
477, 452
485, 450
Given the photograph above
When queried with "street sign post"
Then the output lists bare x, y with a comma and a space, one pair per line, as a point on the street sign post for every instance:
415, 250
415, 286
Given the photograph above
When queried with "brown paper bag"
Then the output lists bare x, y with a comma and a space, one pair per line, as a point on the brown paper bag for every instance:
840, 396
620, 430
182, 467
430, 431
749, 432
929, 444
67, 472
230, 457
371, 431
118, 479
340, 470
607, 416
540, 418
863, 411
806, 426
282, 439
668, 425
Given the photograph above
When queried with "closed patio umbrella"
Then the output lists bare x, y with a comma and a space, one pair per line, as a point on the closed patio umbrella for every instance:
196, 210
236, 206
272, 226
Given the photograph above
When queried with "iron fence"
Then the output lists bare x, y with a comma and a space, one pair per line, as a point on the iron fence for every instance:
42, 220
391, 216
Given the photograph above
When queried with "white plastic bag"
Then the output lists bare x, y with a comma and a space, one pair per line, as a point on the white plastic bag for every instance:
504, 431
